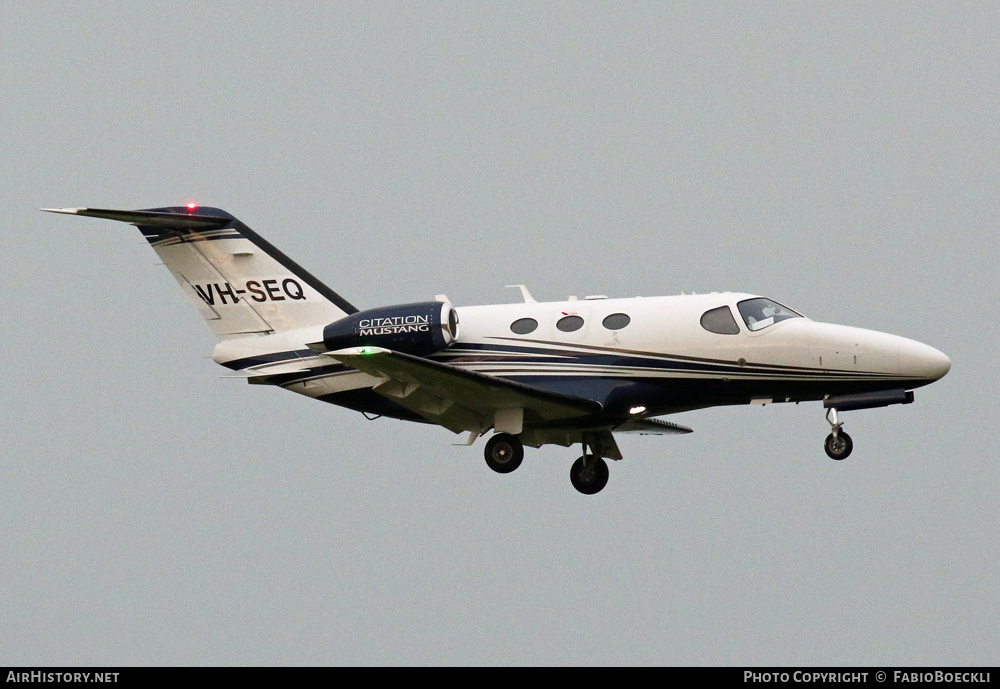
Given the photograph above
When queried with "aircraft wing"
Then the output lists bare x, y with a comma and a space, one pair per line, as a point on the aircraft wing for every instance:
461, 400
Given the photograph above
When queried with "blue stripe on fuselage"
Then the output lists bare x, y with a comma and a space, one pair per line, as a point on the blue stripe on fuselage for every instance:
584, 355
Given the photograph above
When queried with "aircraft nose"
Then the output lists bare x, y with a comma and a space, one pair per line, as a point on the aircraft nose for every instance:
922, 361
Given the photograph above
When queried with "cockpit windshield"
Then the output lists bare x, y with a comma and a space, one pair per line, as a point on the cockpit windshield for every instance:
760, 313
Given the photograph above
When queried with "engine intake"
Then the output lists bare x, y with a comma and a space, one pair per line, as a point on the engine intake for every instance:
420, 328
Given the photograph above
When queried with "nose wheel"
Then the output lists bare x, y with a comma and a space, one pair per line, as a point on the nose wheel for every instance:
838, 444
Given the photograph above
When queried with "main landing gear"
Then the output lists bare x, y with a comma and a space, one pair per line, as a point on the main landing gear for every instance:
504, 453
838, 444
589, 474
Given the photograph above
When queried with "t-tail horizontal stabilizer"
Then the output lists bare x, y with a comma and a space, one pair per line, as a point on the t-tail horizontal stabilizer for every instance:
175, 221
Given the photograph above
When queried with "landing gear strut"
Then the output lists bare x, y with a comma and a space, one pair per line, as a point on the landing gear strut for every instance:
838, 444
504, 453
589, 474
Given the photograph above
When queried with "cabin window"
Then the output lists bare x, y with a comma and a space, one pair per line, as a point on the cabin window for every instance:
760, 313
616, 321
720, 321
523, 326
569, 324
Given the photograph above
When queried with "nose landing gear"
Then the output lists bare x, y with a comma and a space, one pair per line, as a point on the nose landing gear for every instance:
838, 444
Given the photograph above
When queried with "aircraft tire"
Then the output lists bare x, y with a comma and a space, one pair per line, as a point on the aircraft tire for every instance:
840, 447
592, 479
504, 453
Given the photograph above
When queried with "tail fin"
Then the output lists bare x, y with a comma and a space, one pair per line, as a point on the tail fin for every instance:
236, 279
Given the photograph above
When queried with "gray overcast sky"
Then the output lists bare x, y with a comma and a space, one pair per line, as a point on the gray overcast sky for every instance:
839, 157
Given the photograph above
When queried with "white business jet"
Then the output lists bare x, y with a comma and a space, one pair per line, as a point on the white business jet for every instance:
563, 373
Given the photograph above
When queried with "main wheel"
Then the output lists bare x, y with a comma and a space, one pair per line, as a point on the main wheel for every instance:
838, 447
504, 453
589, 474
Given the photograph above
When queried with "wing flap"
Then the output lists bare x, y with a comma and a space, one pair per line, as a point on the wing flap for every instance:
457, 399
652, 427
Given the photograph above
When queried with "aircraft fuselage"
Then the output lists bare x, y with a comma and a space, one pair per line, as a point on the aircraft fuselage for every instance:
663, 358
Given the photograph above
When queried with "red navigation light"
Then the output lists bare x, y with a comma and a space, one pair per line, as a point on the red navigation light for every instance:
192, 206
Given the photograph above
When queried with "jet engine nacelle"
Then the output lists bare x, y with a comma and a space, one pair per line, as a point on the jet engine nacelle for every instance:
421, 328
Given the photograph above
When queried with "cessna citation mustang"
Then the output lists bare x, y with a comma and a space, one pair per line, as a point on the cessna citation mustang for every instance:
563, 373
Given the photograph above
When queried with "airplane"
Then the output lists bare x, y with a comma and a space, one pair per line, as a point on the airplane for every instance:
573, 372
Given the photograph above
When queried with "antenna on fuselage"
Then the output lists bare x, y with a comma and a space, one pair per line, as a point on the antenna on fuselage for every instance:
528, 299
